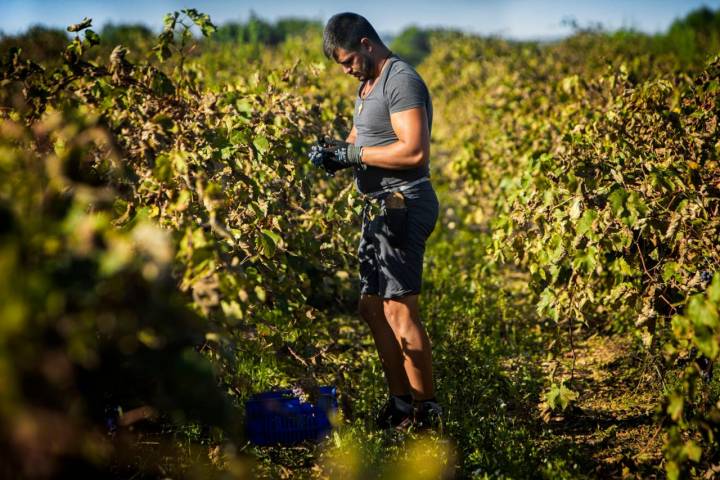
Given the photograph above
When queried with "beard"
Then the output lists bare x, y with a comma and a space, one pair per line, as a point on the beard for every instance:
367, 68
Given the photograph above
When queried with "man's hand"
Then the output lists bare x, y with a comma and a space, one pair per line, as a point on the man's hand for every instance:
323, 159
344, 153
333, 155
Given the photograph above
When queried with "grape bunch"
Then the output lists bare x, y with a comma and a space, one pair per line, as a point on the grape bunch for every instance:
706, 277
316, 155
321, 157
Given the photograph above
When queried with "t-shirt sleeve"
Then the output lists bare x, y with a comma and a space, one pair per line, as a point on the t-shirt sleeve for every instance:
405, 91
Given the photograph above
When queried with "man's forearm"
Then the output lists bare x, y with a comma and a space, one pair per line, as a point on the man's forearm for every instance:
396, 156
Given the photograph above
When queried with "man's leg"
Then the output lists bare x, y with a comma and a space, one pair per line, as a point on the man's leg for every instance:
403, 316
391, 356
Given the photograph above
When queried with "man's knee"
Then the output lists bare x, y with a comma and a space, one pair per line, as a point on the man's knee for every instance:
402, 312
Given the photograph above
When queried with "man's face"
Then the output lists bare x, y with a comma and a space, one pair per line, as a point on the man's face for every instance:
358, 64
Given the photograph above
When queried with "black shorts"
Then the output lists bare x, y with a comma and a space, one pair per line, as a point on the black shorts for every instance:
389, 269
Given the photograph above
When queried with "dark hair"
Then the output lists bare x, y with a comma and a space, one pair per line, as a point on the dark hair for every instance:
345, 30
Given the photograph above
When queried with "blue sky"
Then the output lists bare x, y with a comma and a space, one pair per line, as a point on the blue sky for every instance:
522, 19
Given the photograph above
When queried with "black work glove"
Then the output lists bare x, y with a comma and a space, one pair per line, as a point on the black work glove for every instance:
343, 152
323, 159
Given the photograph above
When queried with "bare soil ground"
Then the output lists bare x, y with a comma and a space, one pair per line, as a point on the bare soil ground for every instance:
611, 430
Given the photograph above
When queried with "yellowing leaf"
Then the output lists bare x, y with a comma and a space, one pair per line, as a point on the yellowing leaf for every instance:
260, 292
692, 450
675, 407
261, 144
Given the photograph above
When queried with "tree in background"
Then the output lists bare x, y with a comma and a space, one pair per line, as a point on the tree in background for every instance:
126, 34
413, 44
259, 31
695, 35
43, 44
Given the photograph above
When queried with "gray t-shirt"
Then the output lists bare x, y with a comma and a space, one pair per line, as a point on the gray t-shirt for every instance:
399, 88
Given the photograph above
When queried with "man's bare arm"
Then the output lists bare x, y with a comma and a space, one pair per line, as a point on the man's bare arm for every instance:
412, 148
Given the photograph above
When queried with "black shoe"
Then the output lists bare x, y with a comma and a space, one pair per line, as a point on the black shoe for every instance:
429, 416
396, 413
112, 419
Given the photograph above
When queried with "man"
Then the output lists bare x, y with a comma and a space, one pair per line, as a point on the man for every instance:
389, 147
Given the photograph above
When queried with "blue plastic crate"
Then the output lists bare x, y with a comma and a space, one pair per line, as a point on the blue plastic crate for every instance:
280, 418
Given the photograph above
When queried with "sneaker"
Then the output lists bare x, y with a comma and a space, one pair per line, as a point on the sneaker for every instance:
429, 416
396, 413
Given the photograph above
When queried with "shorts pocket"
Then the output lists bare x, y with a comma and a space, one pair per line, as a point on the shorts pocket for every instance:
396, 214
